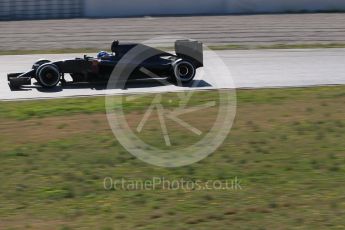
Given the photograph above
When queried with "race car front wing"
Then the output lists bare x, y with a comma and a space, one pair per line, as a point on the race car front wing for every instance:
19, 79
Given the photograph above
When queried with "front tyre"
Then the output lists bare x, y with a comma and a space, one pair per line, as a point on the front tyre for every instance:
40, 62
48, 75
184, 71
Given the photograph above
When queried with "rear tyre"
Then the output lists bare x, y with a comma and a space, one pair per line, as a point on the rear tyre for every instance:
183, 71
48, 75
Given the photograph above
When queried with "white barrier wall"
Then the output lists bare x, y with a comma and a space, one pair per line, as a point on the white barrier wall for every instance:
277, 6
121, 8
44, 9
40, 9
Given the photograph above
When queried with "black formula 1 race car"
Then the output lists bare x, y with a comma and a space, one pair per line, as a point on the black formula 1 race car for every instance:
179, 67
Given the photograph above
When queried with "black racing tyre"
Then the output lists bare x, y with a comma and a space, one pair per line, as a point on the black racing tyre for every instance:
48, 75
183, 71
39, 63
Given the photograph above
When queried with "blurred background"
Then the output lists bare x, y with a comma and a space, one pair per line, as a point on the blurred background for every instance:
92, 24
55, 9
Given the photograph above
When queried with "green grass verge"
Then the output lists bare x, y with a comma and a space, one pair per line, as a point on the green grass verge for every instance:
23, 110
286, 147
212, 47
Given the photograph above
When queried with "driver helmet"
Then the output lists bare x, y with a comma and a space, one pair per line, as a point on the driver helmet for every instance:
102, 54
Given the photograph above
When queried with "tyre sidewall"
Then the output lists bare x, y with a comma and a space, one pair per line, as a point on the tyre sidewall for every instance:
45, 67
176, 73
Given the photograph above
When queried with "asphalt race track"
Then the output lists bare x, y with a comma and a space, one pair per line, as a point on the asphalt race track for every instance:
248, 68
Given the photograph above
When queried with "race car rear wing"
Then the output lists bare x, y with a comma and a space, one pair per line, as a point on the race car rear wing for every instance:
192, 50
